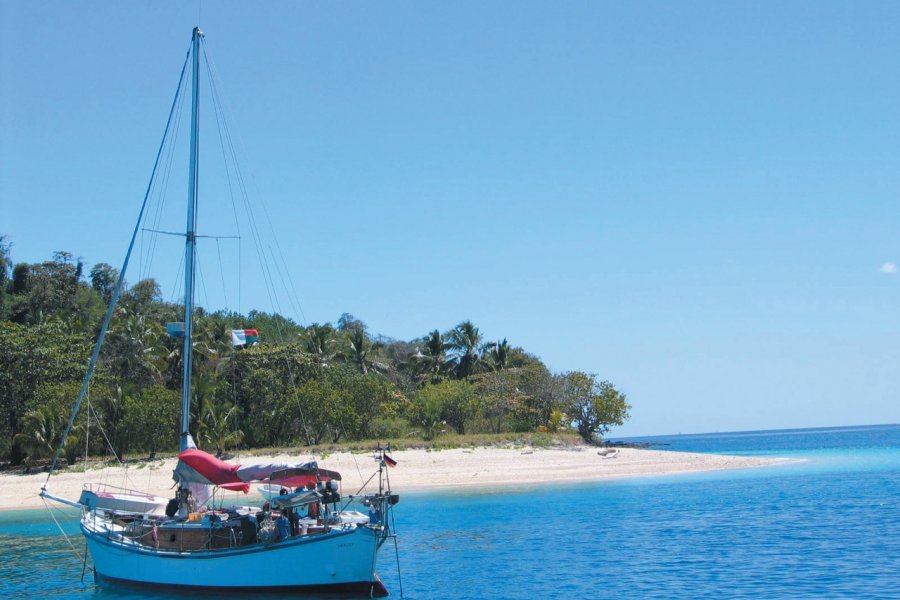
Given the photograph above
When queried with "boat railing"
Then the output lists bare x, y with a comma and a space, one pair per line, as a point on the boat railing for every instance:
188, 536
182, 537
95, 488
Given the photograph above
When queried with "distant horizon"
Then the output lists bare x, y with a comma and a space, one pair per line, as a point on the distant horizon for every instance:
754, 431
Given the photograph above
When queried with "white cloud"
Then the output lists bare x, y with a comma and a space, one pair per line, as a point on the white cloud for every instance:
889, 268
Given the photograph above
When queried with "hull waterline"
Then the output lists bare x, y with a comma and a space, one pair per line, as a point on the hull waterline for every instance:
338, 561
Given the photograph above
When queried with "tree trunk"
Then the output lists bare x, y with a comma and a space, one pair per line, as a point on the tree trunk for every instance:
16, 455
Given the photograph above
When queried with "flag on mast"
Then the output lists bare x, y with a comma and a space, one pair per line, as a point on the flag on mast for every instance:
244, 337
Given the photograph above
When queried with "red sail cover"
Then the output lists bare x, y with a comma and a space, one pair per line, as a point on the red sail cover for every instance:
215, 471
198, 466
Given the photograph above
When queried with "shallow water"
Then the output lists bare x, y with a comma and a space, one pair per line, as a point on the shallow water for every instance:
827, 527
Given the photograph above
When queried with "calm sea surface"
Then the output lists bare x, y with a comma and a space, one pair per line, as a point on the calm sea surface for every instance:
826, 527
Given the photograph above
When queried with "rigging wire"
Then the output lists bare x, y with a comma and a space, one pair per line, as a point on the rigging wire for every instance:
222, 274
252, 220
387, 477
119, 284
161, 189
60, 527
200, 277
225, 133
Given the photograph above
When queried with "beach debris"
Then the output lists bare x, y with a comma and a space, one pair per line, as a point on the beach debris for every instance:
608, 453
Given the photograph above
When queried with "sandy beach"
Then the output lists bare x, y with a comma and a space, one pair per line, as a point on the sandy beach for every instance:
417, 470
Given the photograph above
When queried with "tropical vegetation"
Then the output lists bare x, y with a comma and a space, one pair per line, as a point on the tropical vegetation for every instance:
299, 386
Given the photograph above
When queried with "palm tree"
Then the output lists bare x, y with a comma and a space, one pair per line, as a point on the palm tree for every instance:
41, 433
430, 366
204, 387
135, 351
498, 355
360, 351
465, 340
218, 428
319, 340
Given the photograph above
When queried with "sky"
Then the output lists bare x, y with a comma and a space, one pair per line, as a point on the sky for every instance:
696, 201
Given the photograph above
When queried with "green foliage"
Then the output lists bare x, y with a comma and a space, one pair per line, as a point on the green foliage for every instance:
557, 421
426, 411
272, 328
300, 385
500, 397
389, 428
5, 271
29, 357
42, 430
497, 355
320, 341
451, 402
151, 419
430, 364
262, 379
220, 430
465, 341
103, 280
360, 352
45, 291
595, 406
109, 405
134, 350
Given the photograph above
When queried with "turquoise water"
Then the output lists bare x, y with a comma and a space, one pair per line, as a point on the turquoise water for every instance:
824, 527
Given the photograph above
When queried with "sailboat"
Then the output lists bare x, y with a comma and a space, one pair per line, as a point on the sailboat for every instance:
305, 538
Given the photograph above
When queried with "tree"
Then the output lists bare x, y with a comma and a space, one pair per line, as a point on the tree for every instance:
319, 341
595, 406
318, 405
110, 406
45, 290
261, 379
219, 429
541, 396
348, 322
5, 264
42, 430
497, 355
363, 398
360, 351
272, 328
431, 365
426, 412
153, 419
143, 296
20, 278
456, 400
103, 280
30, 357
465, 340
500, 397
134, 350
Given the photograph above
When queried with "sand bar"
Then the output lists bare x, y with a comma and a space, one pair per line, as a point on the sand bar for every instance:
417, 470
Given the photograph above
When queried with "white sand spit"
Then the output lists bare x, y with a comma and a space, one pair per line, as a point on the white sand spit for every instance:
417, 470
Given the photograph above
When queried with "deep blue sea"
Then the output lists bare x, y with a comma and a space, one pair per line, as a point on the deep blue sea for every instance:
824, 527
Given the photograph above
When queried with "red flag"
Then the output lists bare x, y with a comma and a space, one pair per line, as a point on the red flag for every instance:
388, 460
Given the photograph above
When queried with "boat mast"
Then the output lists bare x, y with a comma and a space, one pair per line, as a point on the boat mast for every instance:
186, 441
